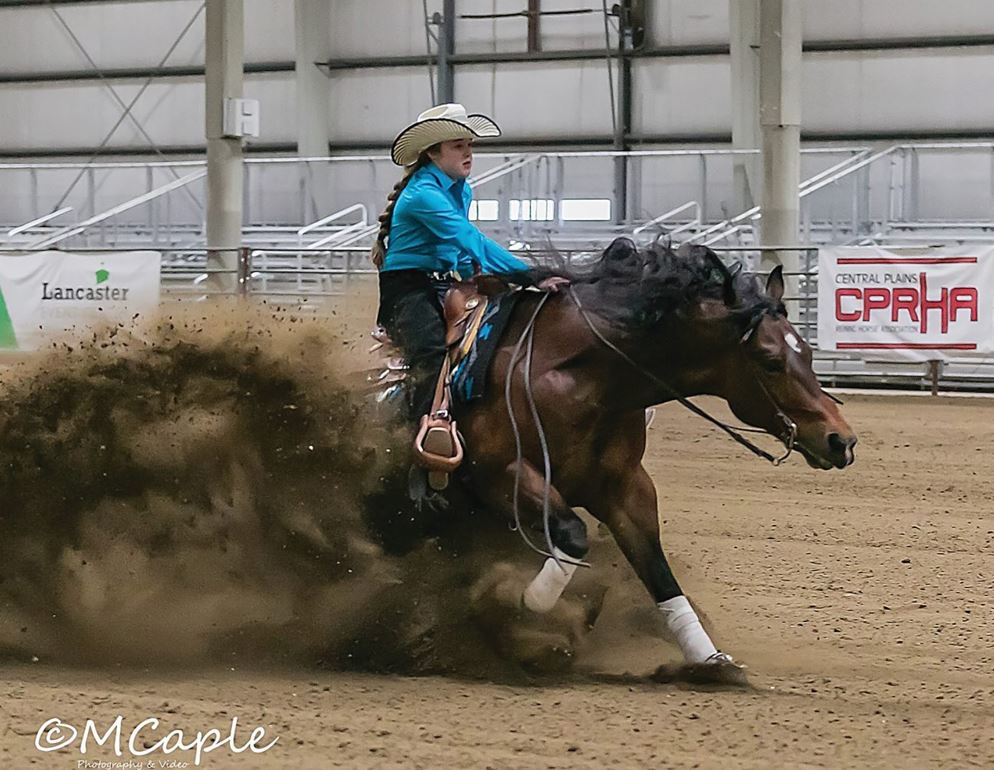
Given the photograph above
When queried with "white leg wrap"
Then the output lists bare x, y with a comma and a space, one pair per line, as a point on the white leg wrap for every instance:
544, 591
684, 624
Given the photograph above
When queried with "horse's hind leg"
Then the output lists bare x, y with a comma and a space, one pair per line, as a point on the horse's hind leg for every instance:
628, 507
567, 532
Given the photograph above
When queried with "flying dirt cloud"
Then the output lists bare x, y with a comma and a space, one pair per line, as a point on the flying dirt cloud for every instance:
209, 490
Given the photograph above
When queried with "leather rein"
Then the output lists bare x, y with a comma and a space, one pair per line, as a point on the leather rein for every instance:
526, 341
789, 437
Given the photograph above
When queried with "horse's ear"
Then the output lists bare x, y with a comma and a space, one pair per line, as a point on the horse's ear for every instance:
774, 284
619, 250
727, 279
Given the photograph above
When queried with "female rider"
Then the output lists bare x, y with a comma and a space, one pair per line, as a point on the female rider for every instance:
425, 237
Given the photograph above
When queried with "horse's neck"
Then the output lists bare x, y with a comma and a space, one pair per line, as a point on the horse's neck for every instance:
641, 368
614, 366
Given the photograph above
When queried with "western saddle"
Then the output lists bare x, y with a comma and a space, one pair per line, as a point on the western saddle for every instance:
438, 447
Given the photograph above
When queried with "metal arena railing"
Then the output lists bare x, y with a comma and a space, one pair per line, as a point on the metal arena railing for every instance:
849, 195
314, 280
301, 276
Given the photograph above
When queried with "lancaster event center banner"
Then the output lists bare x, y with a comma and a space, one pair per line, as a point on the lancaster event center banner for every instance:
914, 304
53, 294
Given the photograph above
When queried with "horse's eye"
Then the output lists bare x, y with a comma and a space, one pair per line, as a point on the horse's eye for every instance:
773, 365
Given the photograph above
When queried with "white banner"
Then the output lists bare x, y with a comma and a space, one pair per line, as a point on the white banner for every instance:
53, 293
918, 305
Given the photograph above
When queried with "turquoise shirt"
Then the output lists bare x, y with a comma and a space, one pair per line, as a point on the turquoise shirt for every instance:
431, 231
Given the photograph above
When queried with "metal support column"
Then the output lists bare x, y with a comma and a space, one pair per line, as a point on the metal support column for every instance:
312, 22
224, 44
744, 49
623, 125
446, 48
534, 25
780, 118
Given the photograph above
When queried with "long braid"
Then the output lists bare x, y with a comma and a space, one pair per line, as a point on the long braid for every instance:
379, 250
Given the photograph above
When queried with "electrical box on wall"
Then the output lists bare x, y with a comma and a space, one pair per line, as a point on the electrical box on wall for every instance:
241, 117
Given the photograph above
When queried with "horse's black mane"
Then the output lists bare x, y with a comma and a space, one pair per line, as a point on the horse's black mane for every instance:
643, 288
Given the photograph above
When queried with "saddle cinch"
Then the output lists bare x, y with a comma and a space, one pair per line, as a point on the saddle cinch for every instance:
438, 447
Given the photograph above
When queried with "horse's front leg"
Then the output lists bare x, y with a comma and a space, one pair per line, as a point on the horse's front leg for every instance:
627, 505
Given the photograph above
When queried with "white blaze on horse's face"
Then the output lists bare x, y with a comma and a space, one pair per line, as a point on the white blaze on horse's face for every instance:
792, 342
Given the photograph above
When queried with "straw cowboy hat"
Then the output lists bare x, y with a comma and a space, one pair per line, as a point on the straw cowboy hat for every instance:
439, 124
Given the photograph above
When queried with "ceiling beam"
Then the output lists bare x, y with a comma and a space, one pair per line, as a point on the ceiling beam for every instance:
134, 73
375, 62
599, 141
29, 3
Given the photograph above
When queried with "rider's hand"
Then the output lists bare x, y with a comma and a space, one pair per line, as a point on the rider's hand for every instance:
553, 283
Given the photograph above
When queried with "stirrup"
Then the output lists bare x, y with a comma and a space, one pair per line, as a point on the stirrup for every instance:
438, 449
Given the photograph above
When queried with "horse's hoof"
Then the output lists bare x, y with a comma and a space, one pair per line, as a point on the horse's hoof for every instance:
538, 652
722, 659
720, 669
554, 659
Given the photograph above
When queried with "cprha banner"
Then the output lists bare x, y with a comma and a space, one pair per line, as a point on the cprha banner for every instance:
55, 294
917, 305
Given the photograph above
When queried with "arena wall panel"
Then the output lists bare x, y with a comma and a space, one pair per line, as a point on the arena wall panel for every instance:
125, 35
561, 99
862, 19
892, 91
62, 114
372, 105
689, 22
681, 96
379, 28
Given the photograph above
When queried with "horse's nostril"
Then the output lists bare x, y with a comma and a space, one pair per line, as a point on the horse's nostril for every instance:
836, 444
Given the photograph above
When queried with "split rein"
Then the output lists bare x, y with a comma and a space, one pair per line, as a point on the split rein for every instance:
789, 439
527, 340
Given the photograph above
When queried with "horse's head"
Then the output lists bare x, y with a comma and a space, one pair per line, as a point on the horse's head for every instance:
709, 329
769, 381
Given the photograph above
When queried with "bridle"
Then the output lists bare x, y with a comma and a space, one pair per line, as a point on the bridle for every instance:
789, 437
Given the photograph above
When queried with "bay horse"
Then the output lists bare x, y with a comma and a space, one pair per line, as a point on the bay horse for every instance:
562, 422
